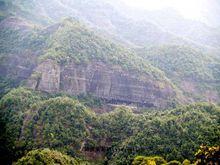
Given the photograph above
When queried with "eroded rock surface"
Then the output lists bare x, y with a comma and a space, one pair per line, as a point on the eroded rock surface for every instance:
101, 80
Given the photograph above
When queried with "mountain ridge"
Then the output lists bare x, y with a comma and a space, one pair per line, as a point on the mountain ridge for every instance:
105, 84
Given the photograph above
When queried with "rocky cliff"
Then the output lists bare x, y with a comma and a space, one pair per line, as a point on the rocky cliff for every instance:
99, 79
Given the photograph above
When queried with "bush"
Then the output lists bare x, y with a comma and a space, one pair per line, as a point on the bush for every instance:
46, 157
208, 155
174, 162
186, 162
142, 160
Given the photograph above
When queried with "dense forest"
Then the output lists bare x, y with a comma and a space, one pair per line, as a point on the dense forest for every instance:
92, 82
32, 120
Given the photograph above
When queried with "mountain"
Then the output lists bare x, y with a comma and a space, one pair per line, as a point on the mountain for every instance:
177, 128
101, 41
192, 70
105, 84
195, 31
31, 119
103, 16
20, 45
137, 28
75, 60
78, 61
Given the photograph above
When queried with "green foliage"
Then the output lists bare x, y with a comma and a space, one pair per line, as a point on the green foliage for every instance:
5, 85
74, 41
46, 157
90, 101
208, 155
20, 42
27, 10
13, 107
180, 61
184, 64
117, 125
141, 160
28, 122
173, 134
59, 123
23, 37
174, 162
159, 160
186, 162
64, 42
34, 120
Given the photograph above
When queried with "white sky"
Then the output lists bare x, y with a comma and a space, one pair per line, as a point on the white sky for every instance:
188, 8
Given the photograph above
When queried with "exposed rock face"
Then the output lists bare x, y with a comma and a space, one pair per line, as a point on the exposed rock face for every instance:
100, 80
46, 77
17, 67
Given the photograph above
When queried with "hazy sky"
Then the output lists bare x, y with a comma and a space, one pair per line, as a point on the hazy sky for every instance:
188, 8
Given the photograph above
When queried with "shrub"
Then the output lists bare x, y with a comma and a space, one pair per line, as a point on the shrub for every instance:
46, 157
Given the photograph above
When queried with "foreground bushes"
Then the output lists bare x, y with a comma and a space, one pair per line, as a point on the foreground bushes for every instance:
31, 120
205, 155
46, 157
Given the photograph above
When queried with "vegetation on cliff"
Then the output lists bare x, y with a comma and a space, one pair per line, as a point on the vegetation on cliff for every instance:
13, 107
180, 61
173, 134
205, 155
74, 41
190, 68
32, 120
25, 45
170, 59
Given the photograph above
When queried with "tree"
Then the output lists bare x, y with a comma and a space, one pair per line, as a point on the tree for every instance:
46, 157
186, 162
208, 155
142, 160
174, 162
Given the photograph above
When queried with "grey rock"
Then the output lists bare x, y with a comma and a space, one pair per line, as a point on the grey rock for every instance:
46, 77
101, 80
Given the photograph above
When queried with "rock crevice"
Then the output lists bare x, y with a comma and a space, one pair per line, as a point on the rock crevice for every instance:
100, 80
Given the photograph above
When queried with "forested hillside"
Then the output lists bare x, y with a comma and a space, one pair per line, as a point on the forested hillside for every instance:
99, 82
194, 71
71, 43
35, 120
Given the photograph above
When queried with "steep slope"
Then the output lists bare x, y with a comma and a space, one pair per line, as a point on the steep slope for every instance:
20, 44
174, 134
27, 39
134, 27
13, 107
103, 16
60, 60
193, 31
194, 72
78, 61
31, 120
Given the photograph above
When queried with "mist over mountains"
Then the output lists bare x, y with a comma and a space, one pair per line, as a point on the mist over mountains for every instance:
105, 82
134, 29
113, 17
